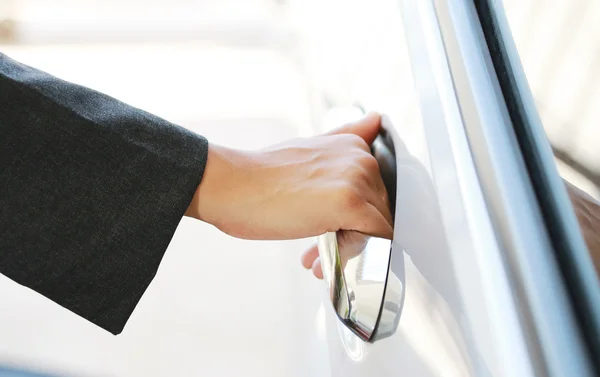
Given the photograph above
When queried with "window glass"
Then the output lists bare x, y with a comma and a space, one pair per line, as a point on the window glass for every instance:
559, 46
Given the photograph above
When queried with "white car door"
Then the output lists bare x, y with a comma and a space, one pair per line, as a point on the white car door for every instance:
477, 280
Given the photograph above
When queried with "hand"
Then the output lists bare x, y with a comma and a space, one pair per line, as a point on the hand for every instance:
350, 244
301, 188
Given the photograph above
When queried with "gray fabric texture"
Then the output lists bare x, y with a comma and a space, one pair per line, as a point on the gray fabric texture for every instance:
91, 192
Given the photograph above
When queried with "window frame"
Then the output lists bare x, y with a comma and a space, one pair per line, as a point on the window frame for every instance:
569, 247
554, 280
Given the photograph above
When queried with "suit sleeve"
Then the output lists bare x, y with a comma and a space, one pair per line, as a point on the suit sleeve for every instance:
91, 192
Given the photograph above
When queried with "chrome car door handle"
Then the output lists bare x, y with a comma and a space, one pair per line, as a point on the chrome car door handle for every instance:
356, 276
365, 294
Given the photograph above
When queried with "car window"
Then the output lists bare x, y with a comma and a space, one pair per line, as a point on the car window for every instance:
568, 249
559, 47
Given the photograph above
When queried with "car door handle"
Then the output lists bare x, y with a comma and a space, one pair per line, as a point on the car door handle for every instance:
366, 296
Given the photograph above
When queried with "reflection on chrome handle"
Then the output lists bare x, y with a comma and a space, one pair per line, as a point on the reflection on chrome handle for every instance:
333, 274
356, 269
367, 293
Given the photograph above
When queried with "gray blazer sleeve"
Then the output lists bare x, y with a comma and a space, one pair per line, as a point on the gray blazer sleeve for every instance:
91, 192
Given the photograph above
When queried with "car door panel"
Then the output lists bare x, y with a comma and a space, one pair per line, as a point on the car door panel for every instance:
481, 297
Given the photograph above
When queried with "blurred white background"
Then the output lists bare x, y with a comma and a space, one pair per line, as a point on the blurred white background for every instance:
241, 73
218, 306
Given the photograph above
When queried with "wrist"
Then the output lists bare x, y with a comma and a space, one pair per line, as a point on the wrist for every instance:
221, 174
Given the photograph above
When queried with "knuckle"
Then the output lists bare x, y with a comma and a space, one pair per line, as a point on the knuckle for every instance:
369, 162
355, 174
362, 144
356, 140
350, 198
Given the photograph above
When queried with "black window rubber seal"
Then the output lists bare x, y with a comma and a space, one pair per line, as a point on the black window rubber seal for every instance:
582, 292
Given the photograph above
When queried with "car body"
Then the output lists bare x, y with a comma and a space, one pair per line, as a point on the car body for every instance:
487, 274
488, 269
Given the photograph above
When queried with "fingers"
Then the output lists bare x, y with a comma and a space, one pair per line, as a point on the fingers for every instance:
378, 199
311, 260
309, 256
375, 193
317, 269
363, 205
367, 128
368, 219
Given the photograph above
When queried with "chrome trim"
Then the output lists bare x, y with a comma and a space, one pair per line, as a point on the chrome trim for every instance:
366, 296
570, 249
355, 268
547, 319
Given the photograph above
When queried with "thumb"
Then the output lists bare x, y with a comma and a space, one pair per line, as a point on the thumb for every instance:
367, 127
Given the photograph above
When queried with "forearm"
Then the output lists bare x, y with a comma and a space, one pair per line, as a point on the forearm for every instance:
587, 210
